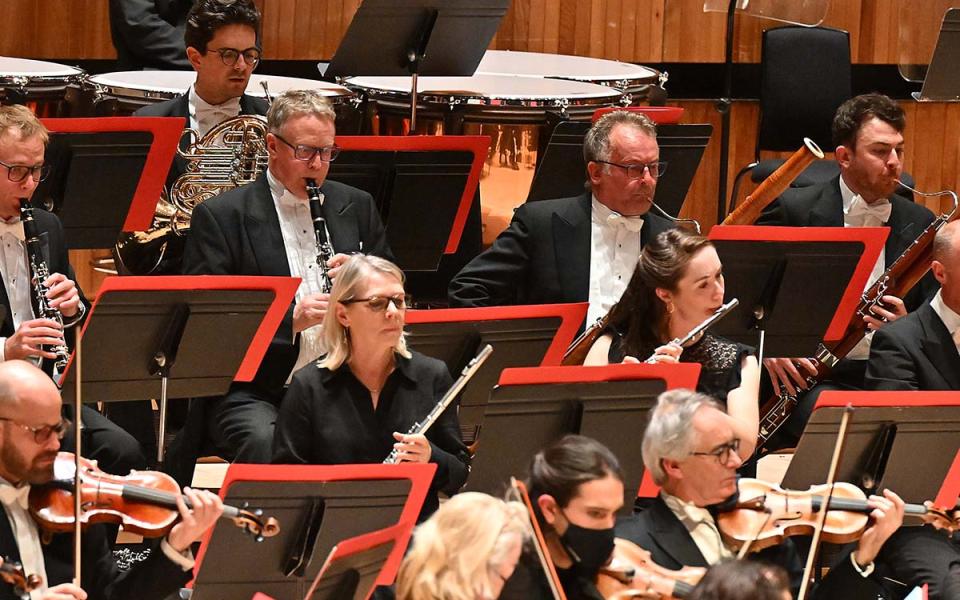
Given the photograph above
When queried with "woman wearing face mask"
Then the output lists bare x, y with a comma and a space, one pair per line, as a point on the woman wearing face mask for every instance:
465, 551
576, 488
677, 284
358, 401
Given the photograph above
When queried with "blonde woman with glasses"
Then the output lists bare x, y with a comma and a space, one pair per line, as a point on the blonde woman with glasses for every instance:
357, 402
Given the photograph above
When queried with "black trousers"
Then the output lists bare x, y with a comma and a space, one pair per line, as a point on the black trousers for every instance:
115, 450
923, 555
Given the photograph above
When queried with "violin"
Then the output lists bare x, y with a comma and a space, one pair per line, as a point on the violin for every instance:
12, 573
144, 502
765, 514
632, 573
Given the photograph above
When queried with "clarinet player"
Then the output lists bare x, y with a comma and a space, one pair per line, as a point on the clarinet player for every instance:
354, 404
25, 335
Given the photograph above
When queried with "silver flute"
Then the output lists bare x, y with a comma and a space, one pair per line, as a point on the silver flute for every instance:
706, 324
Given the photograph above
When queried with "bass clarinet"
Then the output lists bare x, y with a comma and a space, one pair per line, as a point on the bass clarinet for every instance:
39, 272
423, 425
324, 248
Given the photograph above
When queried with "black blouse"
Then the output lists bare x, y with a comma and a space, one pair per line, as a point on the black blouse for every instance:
719, 359
327, 417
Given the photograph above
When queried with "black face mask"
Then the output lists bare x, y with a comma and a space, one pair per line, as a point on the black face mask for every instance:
590, 549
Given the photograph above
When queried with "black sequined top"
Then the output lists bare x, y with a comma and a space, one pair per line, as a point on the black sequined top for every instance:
719, 359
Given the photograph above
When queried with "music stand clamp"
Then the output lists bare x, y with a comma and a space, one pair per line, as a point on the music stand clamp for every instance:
417, 37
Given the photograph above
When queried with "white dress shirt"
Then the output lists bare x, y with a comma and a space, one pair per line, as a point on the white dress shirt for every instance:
856, 213
701, 526
14, 500
16, 274
950, 318
614, 252
205, 116
300, 245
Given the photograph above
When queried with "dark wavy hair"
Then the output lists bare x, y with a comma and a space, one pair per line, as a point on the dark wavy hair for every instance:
742, 580
853, 113
560, 468
640, 316
207, 16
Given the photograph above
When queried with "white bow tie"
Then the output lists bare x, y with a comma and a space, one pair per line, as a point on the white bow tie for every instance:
879, 210
209, 116
15, 229
634, 224
10, 495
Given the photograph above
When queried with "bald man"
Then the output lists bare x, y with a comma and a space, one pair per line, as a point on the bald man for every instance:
31, 428
920, 350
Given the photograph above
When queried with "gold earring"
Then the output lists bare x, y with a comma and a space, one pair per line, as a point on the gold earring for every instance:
670, 308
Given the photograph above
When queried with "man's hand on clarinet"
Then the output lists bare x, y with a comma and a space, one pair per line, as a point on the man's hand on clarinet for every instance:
30, 339
62, 294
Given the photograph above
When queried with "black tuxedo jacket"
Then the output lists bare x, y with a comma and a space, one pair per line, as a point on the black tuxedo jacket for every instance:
657, 530
149, 33
238, 233
914, 352
153, 579
180, 107
543, 257
821, 205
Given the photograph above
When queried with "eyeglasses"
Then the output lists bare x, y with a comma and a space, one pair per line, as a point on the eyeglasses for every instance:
230, 56
17, 173
307, 153
723, 452
42, 434
656, 169
379, 303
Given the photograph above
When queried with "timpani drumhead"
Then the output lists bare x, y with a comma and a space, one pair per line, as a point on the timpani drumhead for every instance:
627, 77
162, 85
40, 85
25, 67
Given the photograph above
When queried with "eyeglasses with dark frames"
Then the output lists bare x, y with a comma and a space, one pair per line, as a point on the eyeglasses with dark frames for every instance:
379, 303
307, 153
43, 433
635, 171
230, 56
723, 452
17, 173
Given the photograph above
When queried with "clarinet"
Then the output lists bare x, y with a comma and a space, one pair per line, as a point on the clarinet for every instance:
423, 425
39, 272
324, 248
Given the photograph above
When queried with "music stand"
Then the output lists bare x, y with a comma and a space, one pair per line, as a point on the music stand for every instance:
417, 37
318, 506
797, 285
940, 82
107, 174
562, 173
888, 432
532, 407
353, 566
521, 336
424, 230
146, 336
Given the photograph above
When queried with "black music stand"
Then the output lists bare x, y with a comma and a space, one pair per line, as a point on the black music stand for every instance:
417, 37
318, 507
107, 174
176, 337
352, 569
433, 235
532, 407
562, 173
798, 285
521, 336
889, 444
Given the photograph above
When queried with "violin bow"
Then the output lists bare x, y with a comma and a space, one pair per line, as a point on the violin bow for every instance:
539, 542
822, 515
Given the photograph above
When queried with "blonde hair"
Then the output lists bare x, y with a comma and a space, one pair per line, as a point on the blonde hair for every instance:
298, 102
352, 277
455, 550
19, 118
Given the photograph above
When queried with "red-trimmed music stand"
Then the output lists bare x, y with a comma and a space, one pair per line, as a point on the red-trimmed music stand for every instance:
317, 507
904, 441
108, 173
521, 336
805, 281
533, 407
207, 331
353, 566
661, 115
